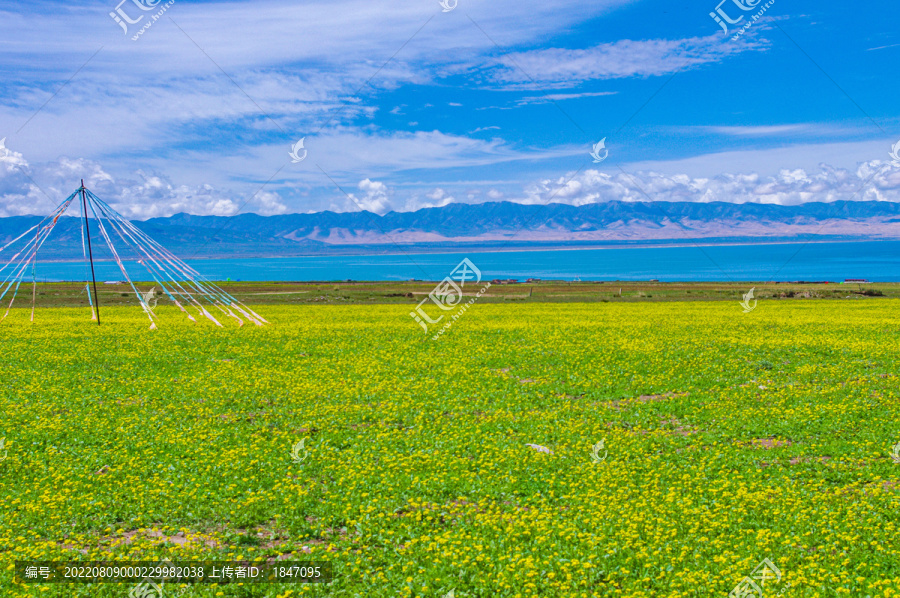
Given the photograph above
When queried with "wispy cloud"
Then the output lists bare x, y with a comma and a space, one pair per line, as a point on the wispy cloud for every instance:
559, 97
563, 67
755, 131
883, 47
156, 128
480, 129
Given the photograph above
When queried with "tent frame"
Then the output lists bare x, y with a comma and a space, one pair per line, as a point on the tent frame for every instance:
179, 281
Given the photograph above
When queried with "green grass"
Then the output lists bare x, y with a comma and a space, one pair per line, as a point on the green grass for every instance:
729, 438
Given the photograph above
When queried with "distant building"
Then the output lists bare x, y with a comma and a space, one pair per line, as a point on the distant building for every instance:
855, 280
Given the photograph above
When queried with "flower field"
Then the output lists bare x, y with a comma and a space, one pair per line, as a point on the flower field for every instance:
728, 438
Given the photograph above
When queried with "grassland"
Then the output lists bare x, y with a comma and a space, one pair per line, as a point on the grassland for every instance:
728, 438
411, 293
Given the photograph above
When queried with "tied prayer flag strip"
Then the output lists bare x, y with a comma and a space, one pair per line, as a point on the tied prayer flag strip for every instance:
184, 286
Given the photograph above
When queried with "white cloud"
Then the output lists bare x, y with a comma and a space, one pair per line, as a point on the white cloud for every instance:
757, 131
559, 97
376, 199
350, 150
787, 187
806, 155
439, 198
562, 67
146, 195
270, 204
480, 129
884, 47
27, 189
154, 196
140, 105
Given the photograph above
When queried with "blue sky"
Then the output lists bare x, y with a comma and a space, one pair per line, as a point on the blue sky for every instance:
405, 106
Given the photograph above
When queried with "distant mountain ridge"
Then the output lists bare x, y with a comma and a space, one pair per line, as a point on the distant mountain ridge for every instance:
492, 225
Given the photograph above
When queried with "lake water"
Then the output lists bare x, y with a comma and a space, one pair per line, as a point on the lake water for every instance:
872, 260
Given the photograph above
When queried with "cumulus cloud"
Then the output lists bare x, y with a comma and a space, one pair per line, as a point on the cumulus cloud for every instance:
37, 189
439, 198
153, 196
270, 204
376, 198
871, 181
27, 188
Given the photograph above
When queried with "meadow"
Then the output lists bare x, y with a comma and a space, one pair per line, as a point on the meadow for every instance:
727, 438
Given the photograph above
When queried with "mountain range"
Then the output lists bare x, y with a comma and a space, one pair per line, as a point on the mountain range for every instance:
488, 226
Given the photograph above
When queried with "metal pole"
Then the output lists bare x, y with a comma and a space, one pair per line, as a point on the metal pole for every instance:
87, 228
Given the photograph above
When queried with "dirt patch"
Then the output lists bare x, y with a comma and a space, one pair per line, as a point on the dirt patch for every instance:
107, 543
620, 404
678, 428
626, 428
571, 397
884, 486
797, 460
769, 443
180, 538
359, 426
504, 372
